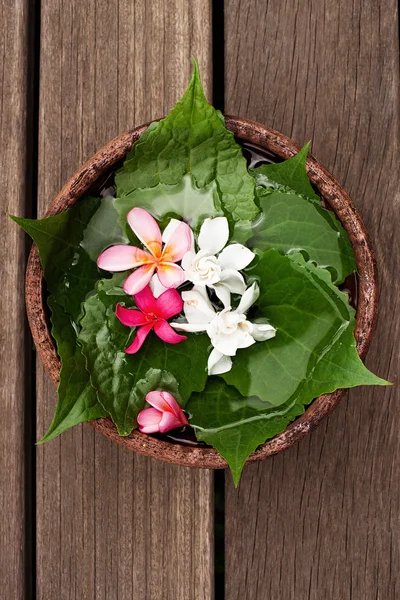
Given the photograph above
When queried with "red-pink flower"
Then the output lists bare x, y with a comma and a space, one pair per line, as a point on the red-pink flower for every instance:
166, 414
152, 314
122, 257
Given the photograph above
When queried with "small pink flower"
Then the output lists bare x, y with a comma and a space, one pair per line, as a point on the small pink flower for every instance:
159, 259
152, 314
166, 414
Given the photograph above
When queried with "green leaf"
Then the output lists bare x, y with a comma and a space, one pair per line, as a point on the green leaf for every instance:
314, 351
102, 230
234, 425
116, 374
156, 379
290, 173
291, 223
77, 399
68, 270
191, 139
69, 244
180, 200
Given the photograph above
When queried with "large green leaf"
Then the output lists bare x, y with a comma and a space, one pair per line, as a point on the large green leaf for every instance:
314, 351
77, 399
191, 139
290, 173
102, 230
180, 200
69, 244
291, 223
234, 425
115, 374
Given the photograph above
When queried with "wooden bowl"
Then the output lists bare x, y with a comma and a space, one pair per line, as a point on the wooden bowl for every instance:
280, 145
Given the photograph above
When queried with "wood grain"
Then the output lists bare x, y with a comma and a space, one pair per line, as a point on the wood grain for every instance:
111, 524
322, 520
14, 374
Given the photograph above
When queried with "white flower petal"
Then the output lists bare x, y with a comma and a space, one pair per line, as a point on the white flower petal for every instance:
227, 343
187, 260
190, 327
200, 289
223, 294
197, 307
218, 363
263, 331
156, 286
233, 280
201, 268
214, 234
235, 256
248, 298
245, 340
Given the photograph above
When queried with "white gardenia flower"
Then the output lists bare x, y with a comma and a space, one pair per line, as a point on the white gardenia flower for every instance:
229, 330
216, 265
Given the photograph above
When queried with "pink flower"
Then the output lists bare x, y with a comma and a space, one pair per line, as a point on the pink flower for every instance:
152, 314
166, 414
177, 242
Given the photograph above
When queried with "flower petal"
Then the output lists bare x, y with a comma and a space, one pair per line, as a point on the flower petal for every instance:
245, 340
187, 260
165, 401
149, 420
170, 274
141, 335
218, 363
263, 331
138, 279
130, 316
223, 294
145, 301
156, 287
179, 242
248, 298
214, 233
233, 280
145, 227
190, 327
167, 334
235, 256
226, 343
161, 400
169, 304
170, 229
197, 306
123, 257
169, 421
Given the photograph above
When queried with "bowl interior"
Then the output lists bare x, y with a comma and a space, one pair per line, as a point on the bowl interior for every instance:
89, 175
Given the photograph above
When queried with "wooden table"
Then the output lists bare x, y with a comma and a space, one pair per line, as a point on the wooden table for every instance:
84, 519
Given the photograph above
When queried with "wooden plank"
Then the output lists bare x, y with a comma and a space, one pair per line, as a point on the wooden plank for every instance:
111, 524
321, 521
14, 340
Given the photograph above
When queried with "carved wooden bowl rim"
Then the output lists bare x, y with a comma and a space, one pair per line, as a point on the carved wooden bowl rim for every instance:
341, 204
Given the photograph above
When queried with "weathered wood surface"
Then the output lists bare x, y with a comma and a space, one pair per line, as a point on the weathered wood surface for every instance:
110, 524
14, 373
322, 520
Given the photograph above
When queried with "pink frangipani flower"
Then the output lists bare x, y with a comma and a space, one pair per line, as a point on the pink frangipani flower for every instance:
165, 415
157, 259
152, 314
